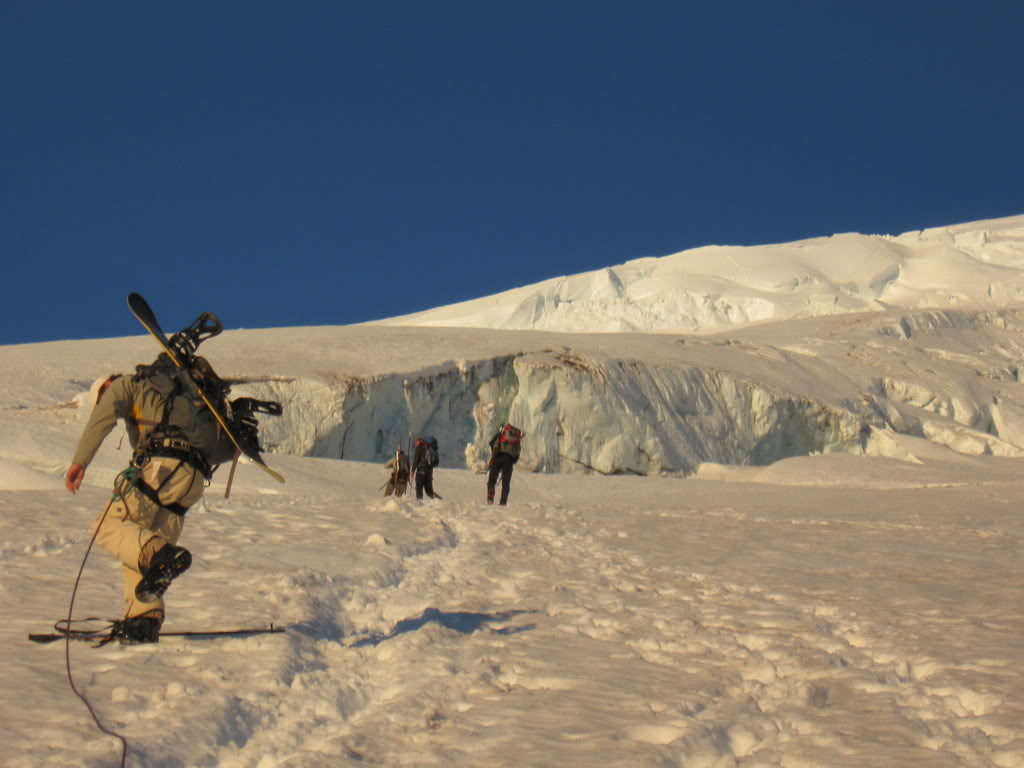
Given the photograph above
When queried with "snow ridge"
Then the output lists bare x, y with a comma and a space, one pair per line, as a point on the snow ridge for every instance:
712, 288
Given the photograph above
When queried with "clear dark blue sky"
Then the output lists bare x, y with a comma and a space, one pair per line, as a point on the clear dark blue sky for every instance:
335, 162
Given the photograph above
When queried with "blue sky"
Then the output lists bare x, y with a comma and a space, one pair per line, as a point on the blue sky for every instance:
320, 163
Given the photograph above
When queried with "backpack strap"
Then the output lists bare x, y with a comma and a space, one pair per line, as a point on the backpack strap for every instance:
164, 440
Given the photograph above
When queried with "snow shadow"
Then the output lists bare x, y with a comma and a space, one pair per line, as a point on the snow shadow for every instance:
464, 622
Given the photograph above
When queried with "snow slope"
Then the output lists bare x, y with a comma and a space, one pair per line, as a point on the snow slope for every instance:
825, 611
826, 573
718, 287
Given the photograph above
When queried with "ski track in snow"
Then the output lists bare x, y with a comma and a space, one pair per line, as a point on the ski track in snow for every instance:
441, 633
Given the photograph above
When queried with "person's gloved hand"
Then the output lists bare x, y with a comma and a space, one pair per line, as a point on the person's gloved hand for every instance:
73, 480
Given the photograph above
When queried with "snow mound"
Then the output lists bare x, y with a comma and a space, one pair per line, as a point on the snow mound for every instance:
14, 477
716, 287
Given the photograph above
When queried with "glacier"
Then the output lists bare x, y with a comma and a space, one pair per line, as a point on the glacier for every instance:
665, 404
746, 356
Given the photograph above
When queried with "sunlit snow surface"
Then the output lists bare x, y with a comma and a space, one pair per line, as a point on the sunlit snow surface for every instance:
718, 287
825, 610
829, 611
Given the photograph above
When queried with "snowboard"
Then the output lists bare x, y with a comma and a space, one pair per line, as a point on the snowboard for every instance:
145, 315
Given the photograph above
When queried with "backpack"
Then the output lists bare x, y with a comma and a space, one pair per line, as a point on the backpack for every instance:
430, 455
509, 441
187, 417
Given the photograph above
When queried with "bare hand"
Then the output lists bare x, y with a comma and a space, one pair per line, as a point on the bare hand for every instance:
74, 478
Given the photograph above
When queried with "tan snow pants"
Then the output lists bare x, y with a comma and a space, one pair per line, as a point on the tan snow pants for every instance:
134, 527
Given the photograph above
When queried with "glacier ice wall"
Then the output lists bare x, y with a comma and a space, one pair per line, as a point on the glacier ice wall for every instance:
951, 377
579, 415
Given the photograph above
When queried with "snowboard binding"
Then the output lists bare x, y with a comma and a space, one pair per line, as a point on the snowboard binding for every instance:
185, 342
243, 414
246, 406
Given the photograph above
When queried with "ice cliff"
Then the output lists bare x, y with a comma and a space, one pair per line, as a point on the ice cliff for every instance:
665, 404
580, 415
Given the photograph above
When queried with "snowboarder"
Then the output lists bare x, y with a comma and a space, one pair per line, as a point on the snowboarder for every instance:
176, 446
399, 479
505, 446
424, 459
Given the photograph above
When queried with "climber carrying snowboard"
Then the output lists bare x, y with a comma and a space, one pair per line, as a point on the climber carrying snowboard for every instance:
177, 444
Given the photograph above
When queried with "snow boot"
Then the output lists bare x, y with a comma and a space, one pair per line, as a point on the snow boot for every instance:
490, 495
136, 630
167, 565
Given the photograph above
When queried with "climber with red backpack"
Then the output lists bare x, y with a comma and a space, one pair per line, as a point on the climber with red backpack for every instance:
505, 448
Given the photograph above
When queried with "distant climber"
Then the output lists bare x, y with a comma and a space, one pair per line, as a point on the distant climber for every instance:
399, 479
424, 459
505, 447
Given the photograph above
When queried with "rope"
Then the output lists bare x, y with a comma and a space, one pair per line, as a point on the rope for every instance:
67, 641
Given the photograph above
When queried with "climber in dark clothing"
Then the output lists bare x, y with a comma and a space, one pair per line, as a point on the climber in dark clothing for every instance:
424, 459
505, 446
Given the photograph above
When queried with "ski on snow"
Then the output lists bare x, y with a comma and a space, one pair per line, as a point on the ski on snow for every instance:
104, 636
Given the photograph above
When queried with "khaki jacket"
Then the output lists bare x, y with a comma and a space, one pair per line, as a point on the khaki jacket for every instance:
137, 402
